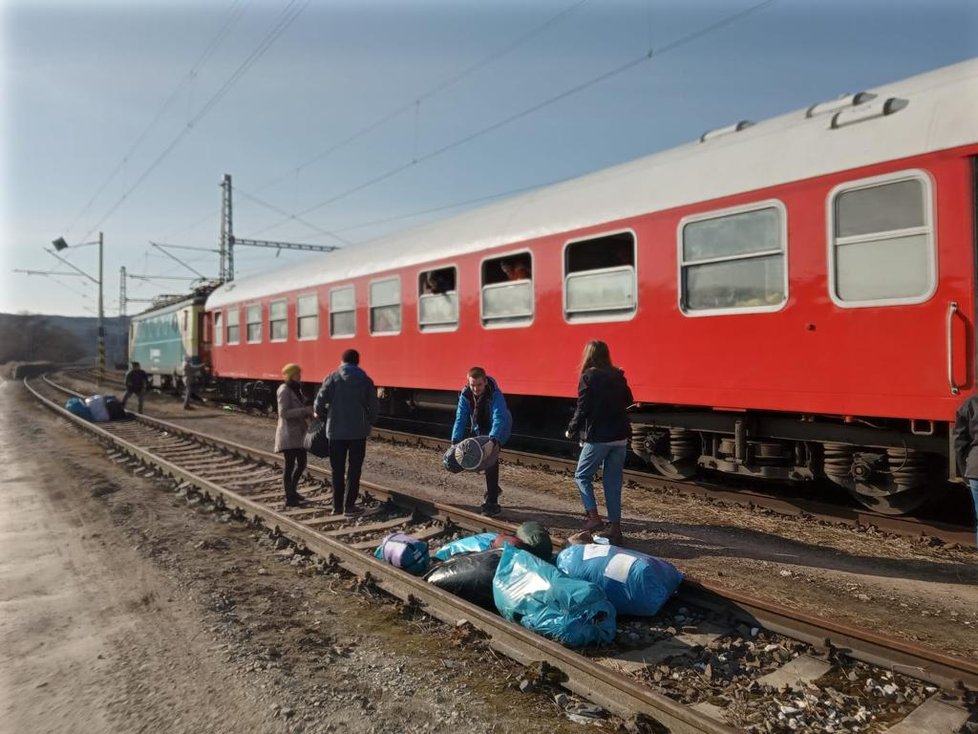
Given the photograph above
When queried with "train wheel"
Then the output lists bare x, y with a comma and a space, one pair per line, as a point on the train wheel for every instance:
681, 469
889, 481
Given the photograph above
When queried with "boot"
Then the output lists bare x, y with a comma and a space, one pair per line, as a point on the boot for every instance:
592, 521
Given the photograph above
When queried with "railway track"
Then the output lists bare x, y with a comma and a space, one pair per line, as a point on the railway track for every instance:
713, 661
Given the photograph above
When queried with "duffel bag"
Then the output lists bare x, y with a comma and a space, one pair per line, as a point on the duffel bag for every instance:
114, 408
316, 442
404, 552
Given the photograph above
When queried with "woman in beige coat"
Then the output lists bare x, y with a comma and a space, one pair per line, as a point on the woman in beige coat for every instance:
290, 432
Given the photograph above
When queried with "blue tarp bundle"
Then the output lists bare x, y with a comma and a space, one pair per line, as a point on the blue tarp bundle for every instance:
77, 406
636, 583
469, 544
405, 552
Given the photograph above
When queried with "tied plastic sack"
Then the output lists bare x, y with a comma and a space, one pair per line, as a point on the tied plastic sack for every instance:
404, 552
468, 544
76, 406
96, 404
636, 583
469, 576
114, 408
535, 594
477, 453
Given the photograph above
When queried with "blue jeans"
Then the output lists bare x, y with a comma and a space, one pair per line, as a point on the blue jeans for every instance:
593, 455
973, 484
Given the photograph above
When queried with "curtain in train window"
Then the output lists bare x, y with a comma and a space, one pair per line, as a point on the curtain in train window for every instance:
278, 321
437, 299
507, 290
233, 332
307, 316
385, 306
599, 280
253, 323
882, 243
734, 262
218, 328
342, 312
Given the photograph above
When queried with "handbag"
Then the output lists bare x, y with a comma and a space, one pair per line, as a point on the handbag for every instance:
316, 441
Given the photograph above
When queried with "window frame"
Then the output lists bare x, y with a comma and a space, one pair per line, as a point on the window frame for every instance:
217, 329
597, 316
440, 328
527, 321
353, 288
929, 228
248, 307
719, 214
370, 305
298, 316
271, 338
236, 310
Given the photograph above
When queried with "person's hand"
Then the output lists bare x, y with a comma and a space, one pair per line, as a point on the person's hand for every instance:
494, 440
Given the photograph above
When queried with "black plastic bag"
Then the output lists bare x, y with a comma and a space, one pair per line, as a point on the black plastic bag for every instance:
468, 575
116, 411
316, 442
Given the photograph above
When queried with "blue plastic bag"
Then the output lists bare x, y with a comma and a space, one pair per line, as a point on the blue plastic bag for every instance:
636, 583
468, 544
404, 552
535, 594
76, 406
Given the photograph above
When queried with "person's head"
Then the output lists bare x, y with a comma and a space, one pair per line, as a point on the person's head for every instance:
135, 365
596, 355
507, 267
350, 356
292, 371
477, 380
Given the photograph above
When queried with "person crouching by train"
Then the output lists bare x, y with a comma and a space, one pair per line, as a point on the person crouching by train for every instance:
347, 401
966, 448
290, 432
482, 410
601, 425
137, 382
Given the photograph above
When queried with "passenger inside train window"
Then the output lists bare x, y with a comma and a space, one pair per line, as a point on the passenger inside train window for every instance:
438, 281
599, 280
437, 300
507, 290
516, 268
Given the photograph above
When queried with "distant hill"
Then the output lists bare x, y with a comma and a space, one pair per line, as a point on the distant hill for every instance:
31, 337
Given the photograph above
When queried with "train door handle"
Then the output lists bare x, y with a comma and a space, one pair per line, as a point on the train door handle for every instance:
952, 309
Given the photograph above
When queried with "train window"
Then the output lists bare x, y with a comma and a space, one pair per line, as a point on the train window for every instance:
342, 312
307, 316
218, 328
253, 323
733, 261
233, 335
599, 280
278, 321
507, 290
882, 242
385, 306
437, 299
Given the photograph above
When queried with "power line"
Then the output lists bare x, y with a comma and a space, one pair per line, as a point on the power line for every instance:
651, 54
286, 17
279, 210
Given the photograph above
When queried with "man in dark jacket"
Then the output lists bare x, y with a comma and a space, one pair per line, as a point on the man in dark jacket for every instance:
966, 446
347, 401
482, 410
137, 381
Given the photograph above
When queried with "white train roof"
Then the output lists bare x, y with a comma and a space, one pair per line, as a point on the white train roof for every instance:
925, 113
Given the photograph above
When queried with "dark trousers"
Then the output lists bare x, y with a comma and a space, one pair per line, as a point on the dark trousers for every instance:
295, 465
139, 394
492, 485
346, 481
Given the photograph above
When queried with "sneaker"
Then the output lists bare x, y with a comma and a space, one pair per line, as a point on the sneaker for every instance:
490, 510
352, 511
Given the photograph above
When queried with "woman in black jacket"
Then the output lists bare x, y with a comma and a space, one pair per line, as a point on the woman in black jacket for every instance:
600, 423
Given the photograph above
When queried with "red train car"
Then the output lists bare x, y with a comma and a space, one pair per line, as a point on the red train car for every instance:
791, 299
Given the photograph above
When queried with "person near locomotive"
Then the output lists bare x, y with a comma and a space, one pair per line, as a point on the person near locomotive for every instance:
966, 448
137, 382
601, 425
190, 373
482, 410
290, 432
347, 401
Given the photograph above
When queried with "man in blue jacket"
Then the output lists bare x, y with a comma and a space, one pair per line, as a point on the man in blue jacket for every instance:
482, 410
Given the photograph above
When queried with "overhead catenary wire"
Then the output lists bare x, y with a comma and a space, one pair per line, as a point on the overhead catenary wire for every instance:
645, 57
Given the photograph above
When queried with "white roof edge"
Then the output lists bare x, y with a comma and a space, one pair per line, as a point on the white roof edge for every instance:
940, 115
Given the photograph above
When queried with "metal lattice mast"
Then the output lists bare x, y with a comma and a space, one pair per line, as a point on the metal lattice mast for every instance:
227, 231
122, 291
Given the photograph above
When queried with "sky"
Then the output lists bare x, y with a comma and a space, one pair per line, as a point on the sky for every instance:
341, 121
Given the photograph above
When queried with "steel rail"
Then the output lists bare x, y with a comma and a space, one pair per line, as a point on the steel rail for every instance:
917, 661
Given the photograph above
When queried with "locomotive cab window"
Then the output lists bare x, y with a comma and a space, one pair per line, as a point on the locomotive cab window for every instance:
342, 312
233, 332
599, 278
278, 321
218, 328
385, 306
882, 243
253, 332
437, 299
733, 261
507, 290
307, 317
